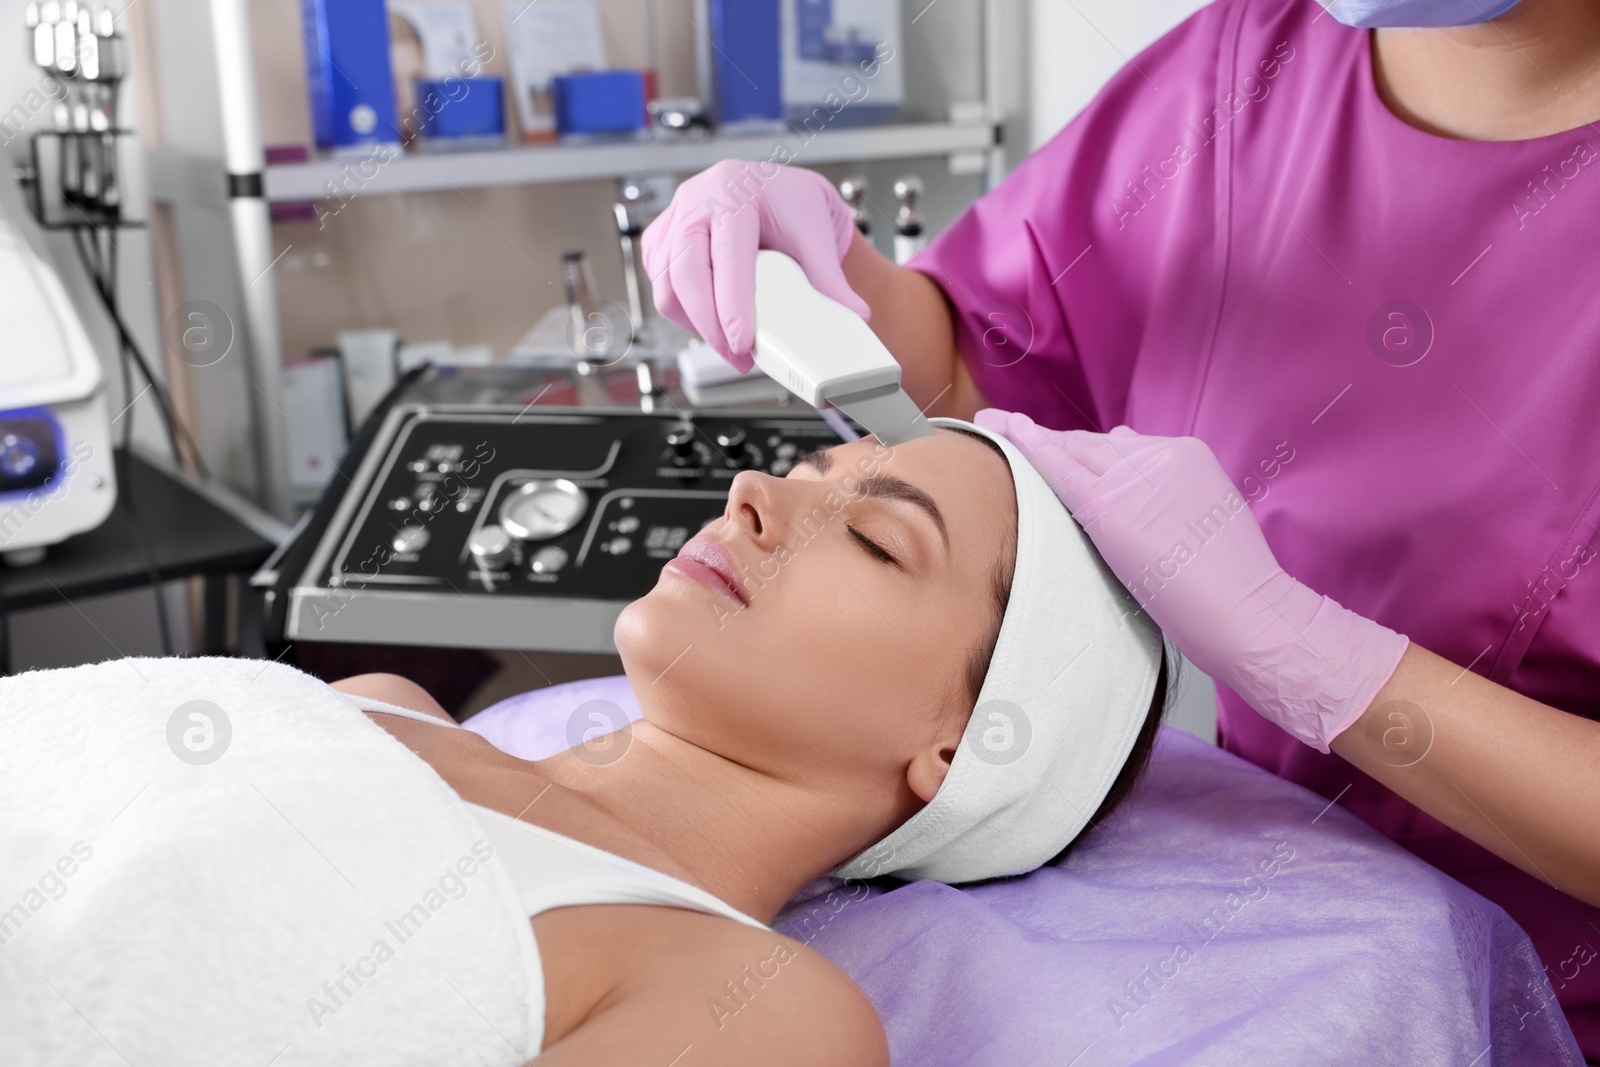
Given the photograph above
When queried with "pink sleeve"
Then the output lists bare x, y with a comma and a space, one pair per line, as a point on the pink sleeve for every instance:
1052, 273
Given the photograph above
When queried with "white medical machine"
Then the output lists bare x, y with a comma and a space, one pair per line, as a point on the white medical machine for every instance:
56, 474
825, 353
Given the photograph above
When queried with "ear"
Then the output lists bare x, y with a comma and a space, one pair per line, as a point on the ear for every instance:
928, 769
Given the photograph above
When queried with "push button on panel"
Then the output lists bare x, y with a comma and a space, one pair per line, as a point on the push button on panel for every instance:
410, 539
549, 559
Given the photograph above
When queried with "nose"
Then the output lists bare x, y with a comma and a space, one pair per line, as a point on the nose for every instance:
756, 508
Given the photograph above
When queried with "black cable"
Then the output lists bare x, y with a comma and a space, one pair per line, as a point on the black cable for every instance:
5, 633
127, 346
125, 497
173, 425
105, 286
87, 243
146, 550
127, 369
93, 264
122, 358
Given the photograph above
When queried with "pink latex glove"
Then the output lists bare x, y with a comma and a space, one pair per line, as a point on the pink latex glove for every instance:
1171, 525
700, 253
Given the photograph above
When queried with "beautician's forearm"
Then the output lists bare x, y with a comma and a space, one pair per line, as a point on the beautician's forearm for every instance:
1518, 777
913, 319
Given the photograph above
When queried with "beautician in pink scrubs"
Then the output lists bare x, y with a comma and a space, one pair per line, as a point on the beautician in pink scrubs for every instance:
1356, 252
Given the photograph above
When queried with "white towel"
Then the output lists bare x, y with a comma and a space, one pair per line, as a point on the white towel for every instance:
314, 895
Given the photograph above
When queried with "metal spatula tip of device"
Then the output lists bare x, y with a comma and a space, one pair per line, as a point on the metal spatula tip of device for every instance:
890, 416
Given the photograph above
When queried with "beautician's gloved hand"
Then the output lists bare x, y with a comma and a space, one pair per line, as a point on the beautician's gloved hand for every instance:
700, 253
1172, 526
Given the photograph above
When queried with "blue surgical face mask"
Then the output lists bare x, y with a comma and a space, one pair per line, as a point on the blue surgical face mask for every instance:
1370, 14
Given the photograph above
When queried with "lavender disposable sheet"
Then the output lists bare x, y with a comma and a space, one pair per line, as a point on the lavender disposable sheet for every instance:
1224, 916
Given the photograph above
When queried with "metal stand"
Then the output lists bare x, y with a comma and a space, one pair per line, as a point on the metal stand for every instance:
213, 162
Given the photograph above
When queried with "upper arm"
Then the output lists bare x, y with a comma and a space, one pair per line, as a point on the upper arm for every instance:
966, 399
748, 997
1054, 275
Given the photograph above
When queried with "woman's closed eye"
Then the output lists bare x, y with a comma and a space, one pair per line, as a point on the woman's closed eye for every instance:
872, 547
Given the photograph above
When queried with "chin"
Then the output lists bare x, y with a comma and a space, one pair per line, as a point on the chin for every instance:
632, 635
651, 632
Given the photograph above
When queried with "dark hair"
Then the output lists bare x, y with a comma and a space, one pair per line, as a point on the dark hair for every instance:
999, 593
1138, 757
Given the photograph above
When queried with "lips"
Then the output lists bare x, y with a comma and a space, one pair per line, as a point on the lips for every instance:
709, 563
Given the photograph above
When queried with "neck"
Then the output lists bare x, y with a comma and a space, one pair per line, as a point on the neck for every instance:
742, 835
1532, 72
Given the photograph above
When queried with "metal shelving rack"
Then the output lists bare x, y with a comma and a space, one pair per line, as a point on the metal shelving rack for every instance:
173, 170
212, 165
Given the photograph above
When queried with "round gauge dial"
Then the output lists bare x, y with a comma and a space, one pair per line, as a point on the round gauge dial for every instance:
543, 509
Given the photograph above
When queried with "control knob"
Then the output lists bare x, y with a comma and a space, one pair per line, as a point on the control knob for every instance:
490, 546
680, 439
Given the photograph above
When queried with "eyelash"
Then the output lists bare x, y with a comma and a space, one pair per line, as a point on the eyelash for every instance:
874, 549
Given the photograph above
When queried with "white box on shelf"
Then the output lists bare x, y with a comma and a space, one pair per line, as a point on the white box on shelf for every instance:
842, 63
472, 356
442, 354
709, 380
446, 31
417, 353
313, 402
369, 369
548, 38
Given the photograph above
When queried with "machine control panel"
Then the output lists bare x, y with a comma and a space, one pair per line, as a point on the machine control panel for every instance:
527, 529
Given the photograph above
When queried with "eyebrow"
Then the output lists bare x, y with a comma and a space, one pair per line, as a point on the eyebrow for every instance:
886, 487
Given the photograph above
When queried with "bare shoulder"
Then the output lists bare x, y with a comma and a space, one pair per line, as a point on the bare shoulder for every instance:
787, 996
393, 689
696, 989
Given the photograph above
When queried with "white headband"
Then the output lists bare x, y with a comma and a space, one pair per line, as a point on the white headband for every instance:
1067, 691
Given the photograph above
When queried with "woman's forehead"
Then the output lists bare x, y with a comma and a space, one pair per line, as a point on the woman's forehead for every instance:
966, 477
939, 452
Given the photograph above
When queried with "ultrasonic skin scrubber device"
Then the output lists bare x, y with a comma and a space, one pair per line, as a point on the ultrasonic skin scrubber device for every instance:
825, 353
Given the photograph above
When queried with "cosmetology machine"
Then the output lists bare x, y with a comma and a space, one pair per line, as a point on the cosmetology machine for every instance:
474, 512
56, 475
488, 525
56, 471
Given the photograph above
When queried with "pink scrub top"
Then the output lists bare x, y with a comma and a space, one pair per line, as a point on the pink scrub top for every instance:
1390, 339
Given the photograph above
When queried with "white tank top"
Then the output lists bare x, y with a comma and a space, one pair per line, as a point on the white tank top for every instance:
551, 870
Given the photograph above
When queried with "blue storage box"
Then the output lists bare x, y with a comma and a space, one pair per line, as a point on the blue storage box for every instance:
461, 107
349, 80
602, 101
745, 43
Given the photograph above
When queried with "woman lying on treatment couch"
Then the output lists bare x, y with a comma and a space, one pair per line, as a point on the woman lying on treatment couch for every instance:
888, 662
